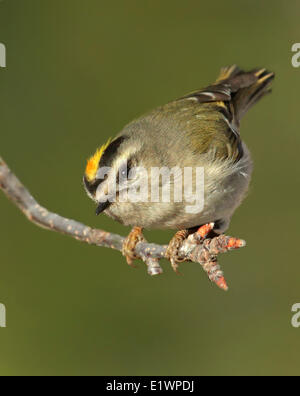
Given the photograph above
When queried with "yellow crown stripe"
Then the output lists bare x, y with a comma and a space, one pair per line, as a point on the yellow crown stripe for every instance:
93, 162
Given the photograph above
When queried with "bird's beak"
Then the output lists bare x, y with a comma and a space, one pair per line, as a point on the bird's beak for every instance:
102, 206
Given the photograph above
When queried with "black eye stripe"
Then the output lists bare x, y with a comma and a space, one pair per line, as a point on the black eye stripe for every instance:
110, 152
106, 161
129, 166
92, 187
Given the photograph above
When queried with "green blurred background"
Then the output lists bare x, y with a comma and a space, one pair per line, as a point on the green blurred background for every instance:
77, 72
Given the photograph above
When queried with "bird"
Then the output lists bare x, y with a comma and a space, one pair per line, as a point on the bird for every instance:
200, 130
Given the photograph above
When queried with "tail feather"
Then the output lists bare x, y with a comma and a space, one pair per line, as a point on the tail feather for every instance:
246, 87
228, 72
247, 97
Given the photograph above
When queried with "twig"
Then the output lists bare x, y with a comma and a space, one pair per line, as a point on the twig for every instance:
203, 252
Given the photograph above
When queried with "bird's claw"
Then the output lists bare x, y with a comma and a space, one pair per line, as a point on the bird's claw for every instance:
176, 243
128, 250
173, 249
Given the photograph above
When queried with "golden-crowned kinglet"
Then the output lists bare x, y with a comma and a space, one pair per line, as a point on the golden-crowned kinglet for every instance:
141, 177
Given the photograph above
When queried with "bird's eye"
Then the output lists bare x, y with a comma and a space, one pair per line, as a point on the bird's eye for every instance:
124, 171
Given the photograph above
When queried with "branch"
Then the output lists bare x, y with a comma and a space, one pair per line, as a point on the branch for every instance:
193, 249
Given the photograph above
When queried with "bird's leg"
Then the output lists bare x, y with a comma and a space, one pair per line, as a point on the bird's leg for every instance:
129, 245
176, 242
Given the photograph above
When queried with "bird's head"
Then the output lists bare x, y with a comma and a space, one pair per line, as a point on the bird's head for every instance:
112, 170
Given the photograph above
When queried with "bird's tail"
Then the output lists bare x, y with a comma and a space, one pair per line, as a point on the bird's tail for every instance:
246, 88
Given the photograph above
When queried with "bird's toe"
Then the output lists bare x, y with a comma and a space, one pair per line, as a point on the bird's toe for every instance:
129, 245
173, 249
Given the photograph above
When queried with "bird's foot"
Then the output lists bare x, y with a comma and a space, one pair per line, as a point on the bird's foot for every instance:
135, 236
173, 249
176, 242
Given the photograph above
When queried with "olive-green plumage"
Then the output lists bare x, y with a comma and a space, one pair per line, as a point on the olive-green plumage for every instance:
200, 129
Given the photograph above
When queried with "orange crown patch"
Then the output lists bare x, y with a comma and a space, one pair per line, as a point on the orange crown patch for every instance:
93, 162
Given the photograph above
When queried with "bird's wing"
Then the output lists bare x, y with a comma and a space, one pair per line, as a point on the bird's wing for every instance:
236, 88
223, 104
